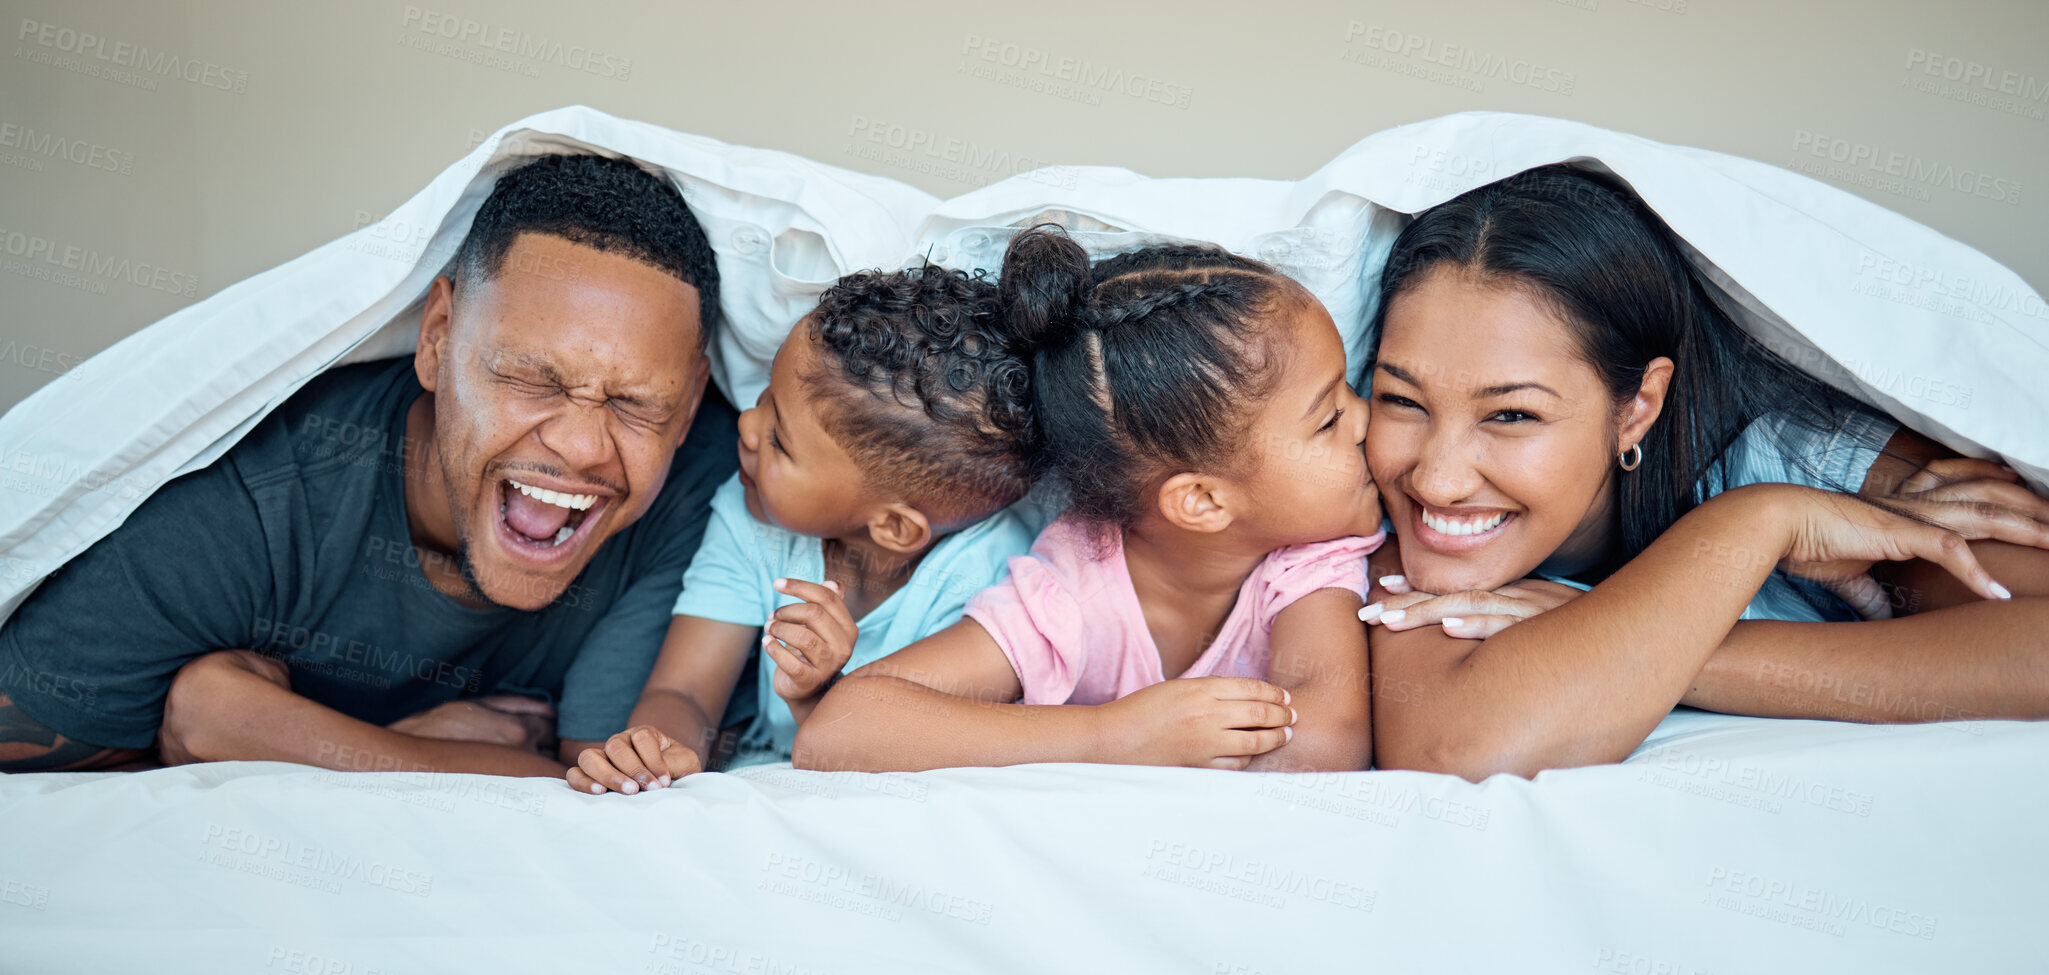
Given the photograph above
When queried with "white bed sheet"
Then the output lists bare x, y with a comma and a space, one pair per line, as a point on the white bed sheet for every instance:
1723, 845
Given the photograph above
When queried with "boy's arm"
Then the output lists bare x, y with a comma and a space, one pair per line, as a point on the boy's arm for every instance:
1319, 657
687, 691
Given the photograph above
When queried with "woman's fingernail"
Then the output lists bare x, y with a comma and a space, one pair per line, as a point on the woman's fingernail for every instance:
1371, 613
1394, 616
597, 789
664, 780
628, 788
780, 583
1389, 582
1285, 696
1292, 716
2001, 592
1451, 621
1287, 734
766, 636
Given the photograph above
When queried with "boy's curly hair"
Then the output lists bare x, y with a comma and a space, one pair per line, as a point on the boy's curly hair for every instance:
929, 392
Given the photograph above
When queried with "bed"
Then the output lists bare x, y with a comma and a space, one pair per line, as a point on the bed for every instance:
1723, 844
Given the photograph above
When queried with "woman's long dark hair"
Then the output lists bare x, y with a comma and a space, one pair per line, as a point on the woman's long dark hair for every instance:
1591, 249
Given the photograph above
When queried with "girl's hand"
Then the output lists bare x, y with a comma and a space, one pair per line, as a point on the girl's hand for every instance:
1978, 499
1836, 538
1199, 722
1471, 615
810, 641
638, 759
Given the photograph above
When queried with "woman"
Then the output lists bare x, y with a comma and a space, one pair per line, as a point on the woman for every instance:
1557, 400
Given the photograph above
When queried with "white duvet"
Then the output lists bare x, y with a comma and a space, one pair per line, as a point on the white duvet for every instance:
1723, 845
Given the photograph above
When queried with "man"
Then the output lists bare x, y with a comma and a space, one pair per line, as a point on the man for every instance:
448, 563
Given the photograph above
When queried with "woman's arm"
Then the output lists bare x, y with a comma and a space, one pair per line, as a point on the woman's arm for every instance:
1319, 658
1986, 660
1586, 682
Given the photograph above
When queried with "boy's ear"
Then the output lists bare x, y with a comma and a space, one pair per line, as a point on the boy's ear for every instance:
900, 528
434, 325
1195, 502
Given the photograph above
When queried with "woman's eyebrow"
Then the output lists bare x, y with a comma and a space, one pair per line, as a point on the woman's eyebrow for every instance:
1506, 388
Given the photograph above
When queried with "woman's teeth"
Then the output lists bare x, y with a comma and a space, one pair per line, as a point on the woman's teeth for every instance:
1463, 526
574, 502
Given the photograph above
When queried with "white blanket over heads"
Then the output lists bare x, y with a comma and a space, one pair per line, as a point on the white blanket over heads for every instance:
1926, 328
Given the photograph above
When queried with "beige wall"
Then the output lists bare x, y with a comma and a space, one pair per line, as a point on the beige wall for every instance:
298, 121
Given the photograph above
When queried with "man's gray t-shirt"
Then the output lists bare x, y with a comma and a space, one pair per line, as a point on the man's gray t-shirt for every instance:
295, 544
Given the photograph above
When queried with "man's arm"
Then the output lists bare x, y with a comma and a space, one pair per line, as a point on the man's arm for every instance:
27, 745
237, 705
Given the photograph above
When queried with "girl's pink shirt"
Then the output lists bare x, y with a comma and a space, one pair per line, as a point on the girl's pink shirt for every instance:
1073, 629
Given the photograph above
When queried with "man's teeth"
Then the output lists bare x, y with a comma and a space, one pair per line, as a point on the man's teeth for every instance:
563, 535
1464, 526
574, 502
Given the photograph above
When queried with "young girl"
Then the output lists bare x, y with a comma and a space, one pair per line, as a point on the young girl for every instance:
1194, 405
877, 472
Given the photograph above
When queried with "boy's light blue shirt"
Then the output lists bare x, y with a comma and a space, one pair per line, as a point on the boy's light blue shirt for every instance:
732, 578
1773, 450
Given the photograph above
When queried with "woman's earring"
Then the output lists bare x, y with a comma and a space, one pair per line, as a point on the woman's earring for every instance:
1633, 457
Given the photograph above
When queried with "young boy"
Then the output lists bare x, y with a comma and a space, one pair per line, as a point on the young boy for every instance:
877, 475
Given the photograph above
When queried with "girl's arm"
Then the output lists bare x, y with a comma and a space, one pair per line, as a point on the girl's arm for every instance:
941, 702
1585, 683
949, 700
701, 661
1319, 658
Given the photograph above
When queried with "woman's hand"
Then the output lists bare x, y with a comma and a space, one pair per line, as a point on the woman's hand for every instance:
1471, 615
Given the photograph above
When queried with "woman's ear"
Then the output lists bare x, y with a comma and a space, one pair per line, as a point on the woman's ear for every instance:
434, 324
1643, 409
900, 528
1194, 502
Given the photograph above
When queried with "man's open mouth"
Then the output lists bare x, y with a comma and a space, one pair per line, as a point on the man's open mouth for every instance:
543, 524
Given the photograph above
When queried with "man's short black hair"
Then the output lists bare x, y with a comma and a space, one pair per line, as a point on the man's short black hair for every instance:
600, 202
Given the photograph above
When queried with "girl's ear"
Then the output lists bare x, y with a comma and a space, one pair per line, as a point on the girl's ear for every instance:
1194, 502
1643, 409
434, 324
900, 528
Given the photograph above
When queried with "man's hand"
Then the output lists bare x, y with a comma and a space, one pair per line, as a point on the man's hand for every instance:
1199, 722
501, 719
809, 641
638, 759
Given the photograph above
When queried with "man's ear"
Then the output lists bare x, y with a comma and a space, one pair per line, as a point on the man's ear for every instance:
696, 398
900, 528
1196, 502
434, 325
1643, 408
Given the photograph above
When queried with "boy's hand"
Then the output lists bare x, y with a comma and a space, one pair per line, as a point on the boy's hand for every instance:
810, 641
1200, 722
637, 759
